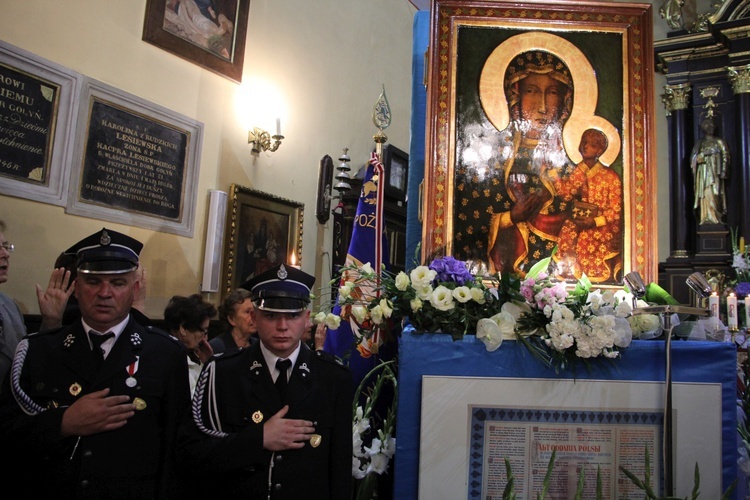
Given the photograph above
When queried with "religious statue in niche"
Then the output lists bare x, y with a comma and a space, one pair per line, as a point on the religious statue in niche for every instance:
709, 162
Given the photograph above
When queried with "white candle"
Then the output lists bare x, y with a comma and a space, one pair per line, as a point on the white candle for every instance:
713, 305
732, 311
293, 262
747, 312
278, 126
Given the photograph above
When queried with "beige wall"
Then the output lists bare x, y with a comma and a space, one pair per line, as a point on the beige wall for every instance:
327, 59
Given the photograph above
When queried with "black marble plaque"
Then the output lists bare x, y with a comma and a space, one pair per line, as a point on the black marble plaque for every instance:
28, 107
133, 162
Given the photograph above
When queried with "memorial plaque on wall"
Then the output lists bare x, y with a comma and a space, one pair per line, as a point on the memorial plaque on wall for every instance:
27, 125
136, 162
36, 125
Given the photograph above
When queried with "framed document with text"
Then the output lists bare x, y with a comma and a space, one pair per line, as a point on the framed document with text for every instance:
38, 99
136, 162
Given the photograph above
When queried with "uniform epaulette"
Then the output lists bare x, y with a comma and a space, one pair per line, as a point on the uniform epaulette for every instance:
159, 331
331, 358
221, 356
51, 331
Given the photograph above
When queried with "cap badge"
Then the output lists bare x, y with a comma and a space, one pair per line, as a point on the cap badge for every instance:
105, 239
282, 274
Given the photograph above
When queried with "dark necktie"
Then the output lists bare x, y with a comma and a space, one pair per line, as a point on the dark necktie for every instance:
282, 365
97, 339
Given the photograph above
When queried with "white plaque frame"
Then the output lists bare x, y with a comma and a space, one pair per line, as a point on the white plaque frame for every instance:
446, 419
55, 191
93, 89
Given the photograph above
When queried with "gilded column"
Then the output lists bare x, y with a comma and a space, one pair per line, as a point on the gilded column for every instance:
739, 77
676, 100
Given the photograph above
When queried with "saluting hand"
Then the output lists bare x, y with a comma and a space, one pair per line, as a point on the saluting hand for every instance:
281, 433
96, 412
53, 300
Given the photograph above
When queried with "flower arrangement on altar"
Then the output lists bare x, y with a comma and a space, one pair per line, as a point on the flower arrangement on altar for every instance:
741, 265
559, 324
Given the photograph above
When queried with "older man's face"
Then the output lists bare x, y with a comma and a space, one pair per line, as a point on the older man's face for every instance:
105, 299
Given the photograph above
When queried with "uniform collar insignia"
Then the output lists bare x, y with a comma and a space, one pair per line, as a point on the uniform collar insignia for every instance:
303, 367
255, 365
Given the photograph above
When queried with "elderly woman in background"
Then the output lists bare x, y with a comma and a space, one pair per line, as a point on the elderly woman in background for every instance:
239, 327
188, 319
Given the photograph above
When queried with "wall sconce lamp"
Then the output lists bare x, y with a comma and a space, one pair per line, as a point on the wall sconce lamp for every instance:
262, 140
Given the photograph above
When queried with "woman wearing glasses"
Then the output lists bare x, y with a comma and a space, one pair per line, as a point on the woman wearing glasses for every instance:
187, 319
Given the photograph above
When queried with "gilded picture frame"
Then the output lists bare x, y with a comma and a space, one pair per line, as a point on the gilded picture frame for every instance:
263, 230
209, 34
506, 186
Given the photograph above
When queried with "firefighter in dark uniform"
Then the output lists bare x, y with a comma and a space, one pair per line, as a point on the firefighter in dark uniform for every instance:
79, 421
251, 437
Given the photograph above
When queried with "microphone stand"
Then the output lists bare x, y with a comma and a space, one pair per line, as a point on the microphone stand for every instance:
665, 312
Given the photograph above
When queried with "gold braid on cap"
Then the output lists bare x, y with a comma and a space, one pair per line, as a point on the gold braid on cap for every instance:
537, 62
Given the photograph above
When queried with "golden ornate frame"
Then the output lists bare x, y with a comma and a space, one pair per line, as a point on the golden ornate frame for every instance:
608, 48
247, 210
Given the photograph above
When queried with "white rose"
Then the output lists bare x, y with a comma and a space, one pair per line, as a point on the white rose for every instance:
402, 281
345, 290
424, 292
462, 294
442, 299
386, 307
478, 295
332, 321
359, 313
415, 304
376, 314
422, 276
319, 318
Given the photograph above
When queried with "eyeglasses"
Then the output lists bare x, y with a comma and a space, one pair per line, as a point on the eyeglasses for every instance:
8, 247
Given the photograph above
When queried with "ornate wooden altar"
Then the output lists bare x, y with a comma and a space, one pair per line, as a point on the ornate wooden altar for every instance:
707, 67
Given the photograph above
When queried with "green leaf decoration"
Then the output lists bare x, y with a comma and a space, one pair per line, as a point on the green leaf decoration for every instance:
657, 295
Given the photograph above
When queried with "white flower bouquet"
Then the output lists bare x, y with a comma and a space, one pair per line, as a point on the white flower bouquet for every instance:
560, 324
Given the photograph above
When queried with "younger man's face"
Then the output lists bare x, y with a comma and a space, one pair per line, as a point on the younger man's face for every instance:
281, 332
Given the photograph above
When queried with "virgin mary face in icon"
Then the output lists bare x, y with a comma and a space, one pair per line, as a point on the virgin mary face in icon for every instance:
541, 103
539, 89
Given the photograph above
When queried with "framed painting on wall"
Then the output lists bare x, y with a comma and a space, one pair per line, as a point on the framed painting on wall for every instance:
210, 34
263, 230
539, 138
